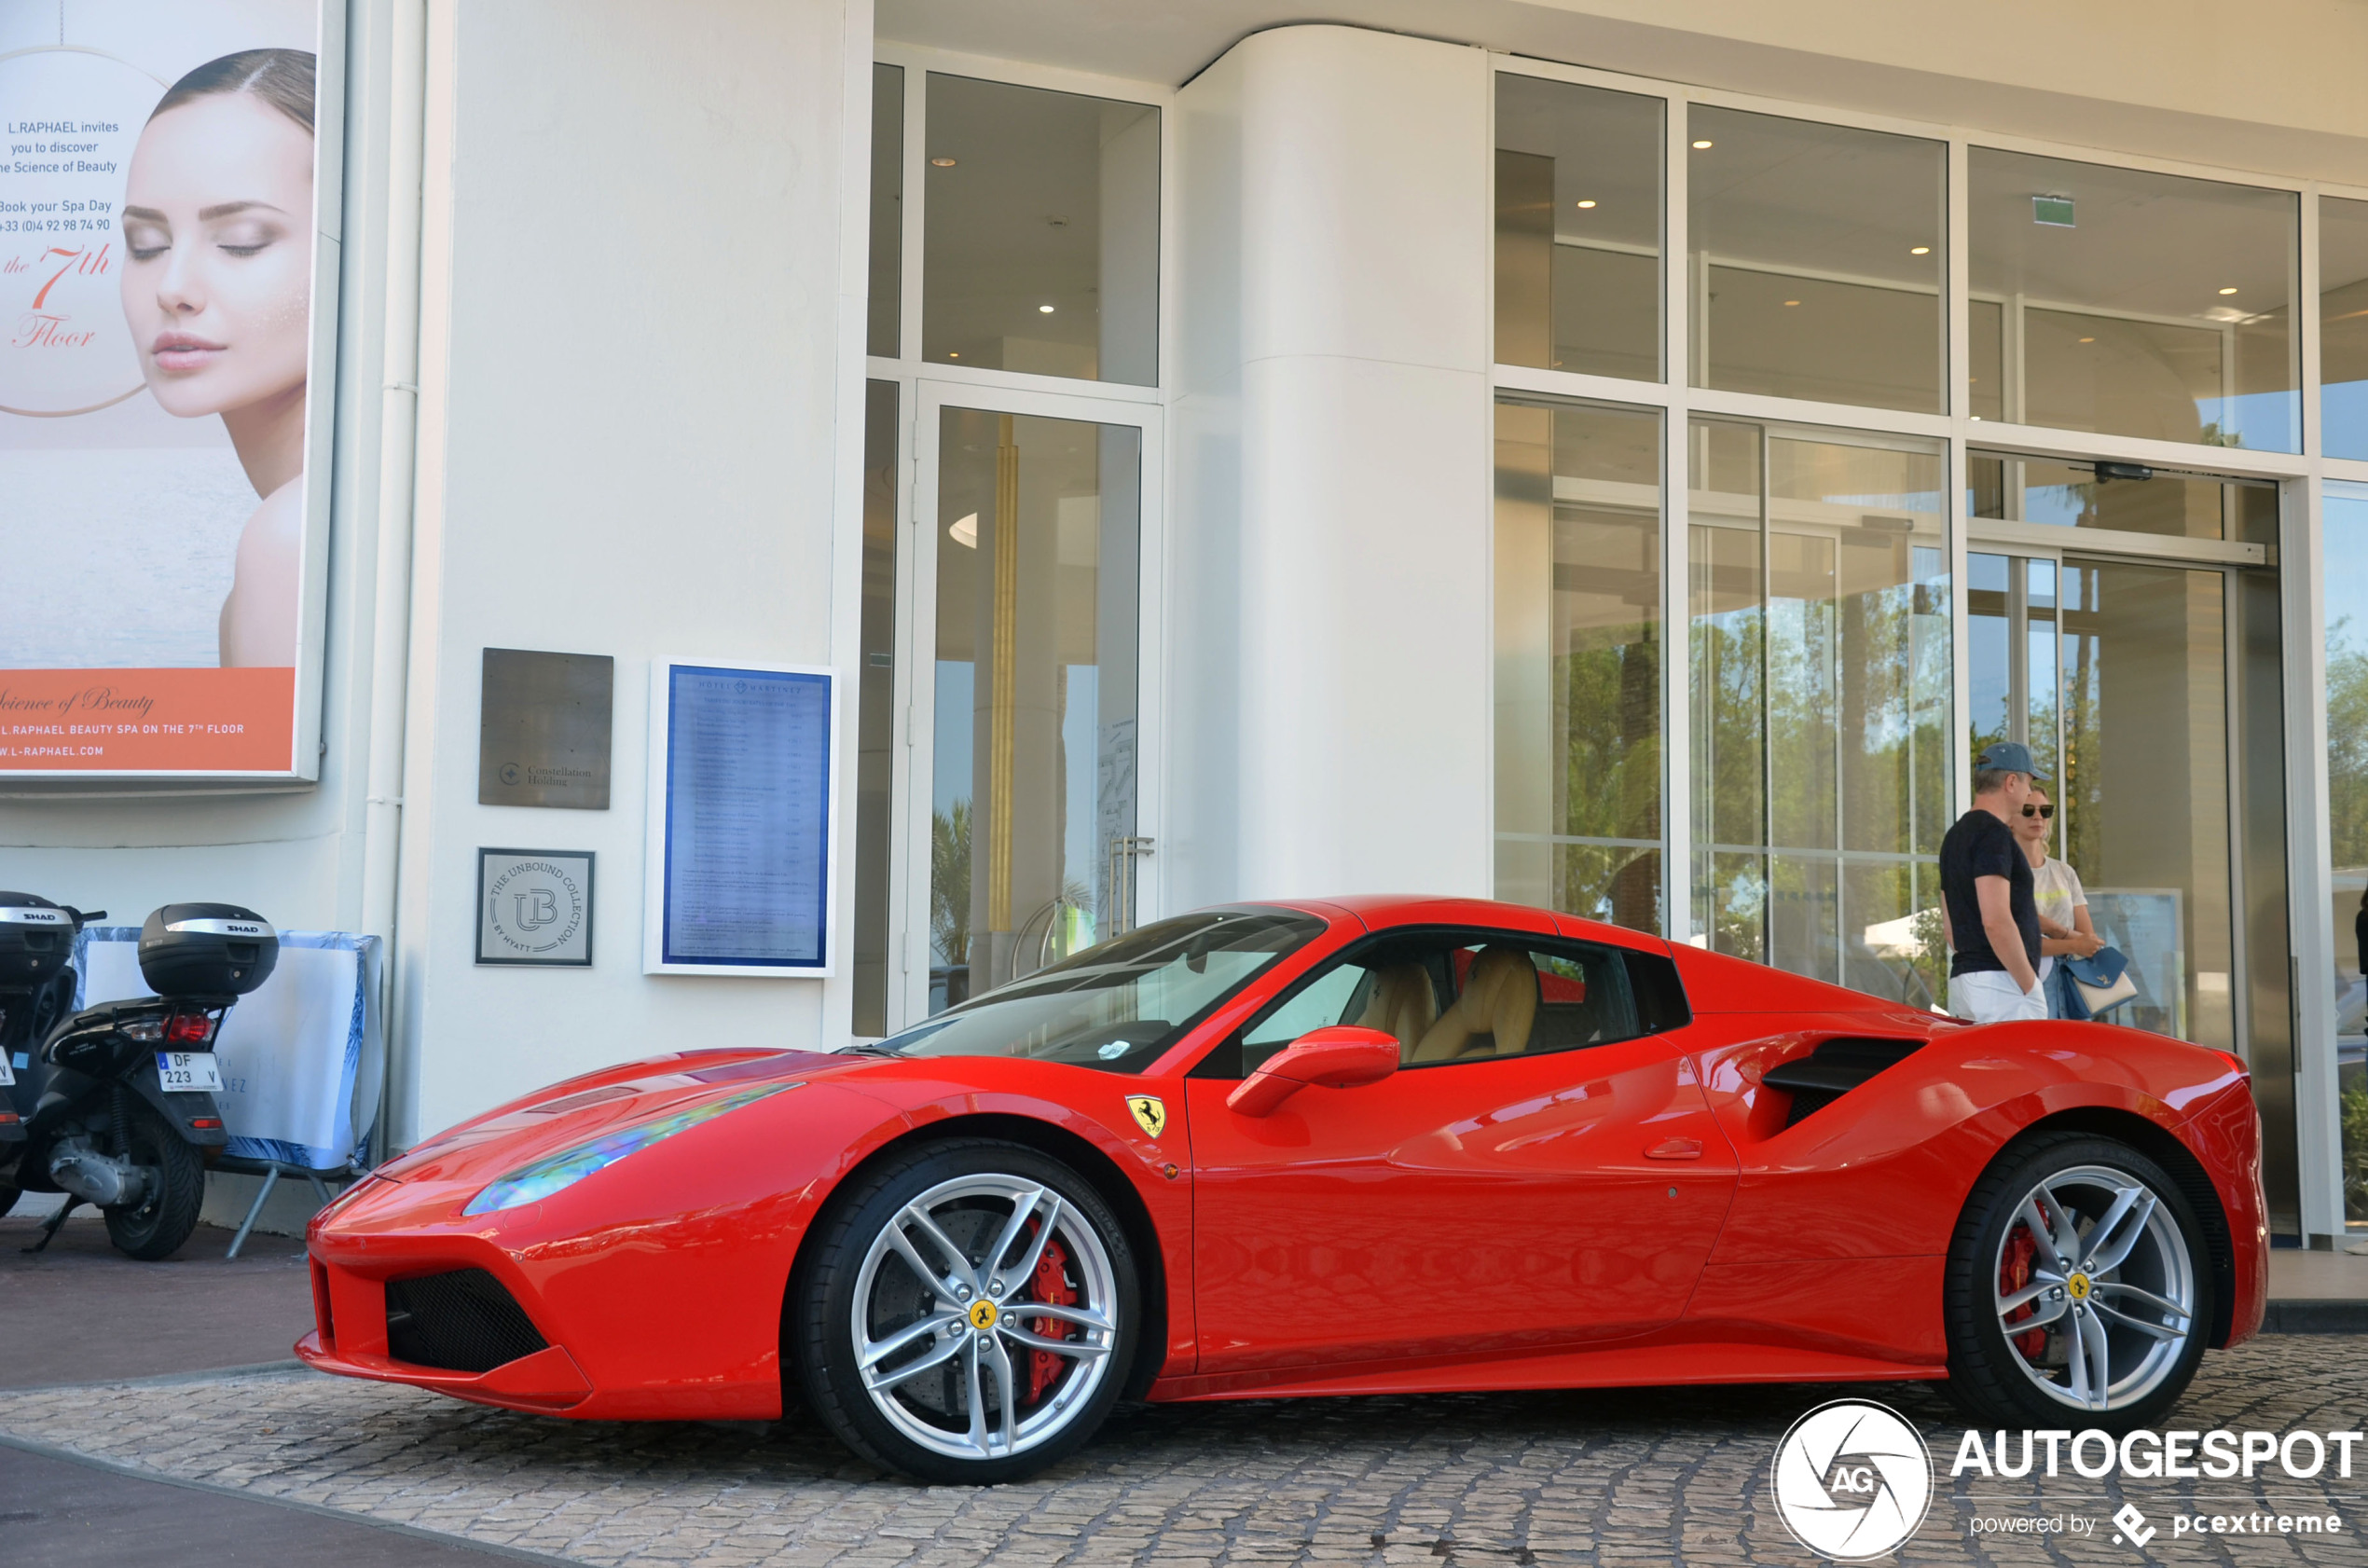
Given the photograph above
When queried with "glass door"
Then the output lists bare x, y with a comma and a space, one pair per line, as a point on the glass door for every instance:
2140, 659
1028, 834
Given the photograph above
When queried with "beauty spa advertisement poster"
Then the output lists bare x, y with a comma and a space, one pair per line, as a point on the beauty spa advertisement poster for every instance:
159, 317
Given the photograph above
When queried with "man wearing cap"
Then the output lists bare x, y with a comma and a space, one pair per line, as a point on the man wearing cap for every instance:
1986, 893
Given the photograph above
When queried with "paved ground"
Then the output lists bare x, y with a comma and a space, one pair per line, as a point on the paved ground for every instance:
128, 1319
1639, 1475
205, 1469
61, 1514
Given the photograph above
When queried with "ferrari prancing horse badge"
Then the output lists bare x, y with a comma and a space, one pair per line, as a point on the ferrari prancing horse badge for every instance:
1148, 1111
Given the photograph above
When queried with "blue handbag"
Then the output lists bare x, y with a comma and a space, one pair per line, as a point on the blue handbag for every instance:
2101, 980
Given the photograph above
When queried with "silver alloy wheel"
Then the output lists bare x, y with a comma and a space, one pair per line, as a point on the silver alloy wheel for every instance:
947, 1311
2111, 1283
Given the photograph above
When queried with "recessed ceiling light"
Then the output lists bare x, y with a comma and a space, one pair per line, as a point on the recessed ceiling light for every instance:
1700, 145
1043, 309
2089, 339
2228, 291
1921, 250
1587, 203
1792, 302
953, 353
941, 164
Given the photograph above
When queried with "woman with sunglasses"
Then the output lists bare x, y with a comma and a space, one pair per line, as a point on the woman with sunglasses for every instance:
2064, 928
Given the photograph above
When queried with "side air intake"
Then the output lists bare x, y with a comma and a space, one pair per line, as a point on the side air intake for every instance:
1834, 1068
462, 1321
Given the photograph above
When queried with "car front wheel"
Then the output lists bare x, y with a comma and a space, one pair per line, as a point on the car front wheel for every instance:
967, 1313
2078, 1285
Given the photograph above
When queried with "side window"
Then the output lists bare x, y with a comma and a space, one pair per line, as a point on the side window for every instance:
1461, 996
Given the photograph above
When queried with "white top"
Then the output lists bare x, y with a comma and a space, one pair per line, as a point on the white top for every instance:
2054, 887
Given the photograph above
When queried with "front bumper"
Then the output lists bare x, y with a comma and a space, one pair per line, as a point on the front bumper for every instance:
547, 1383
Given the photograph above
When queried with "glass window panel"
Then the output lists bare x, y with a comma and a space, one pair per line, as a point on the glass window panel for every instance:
875, 718
1578, 224
2136, 303
2342, 326
1821, 690
1859, 660
1724, 593
2143, 798
2013, 658
884, 304
1817, 260
1986, 350
1033, 800
2076, 495
1041, 250
2346, 591
1578, 631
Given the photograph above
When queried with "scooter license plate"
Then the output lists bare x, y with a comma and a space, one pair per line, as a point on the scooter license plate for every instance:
8, 1073
184, 1072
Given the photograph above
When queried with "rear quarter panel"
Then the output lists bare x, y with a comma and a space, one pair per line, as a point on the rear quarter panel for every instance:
1885, 1170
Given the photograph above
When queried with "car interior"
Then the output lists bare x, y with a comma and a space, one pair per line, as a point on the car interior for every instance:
1458, 996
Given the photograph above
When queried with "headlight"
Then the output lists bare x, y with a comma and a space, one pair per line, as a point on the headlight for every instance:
529, 1184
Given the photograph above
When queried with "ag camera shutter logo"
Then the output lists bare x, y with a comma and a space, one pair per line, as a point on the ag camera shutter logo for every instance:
1853, 1480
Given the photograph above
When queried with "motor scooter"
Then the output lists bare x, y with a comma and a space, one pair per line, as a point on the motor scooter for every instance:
114, 1105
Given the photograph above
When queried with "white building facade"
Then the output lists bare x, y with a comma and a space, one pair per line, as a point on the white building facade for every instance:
1623, 458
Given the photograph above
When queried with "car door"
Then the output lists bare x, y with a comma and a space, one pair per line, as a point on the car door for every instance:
1494, 1194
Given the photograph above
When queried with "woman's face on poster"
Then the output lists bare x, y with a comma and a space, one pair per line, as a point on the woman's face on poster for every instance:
217, 236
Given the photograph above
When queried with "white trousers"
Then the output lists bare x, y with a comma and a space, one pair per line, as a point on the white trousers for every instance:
1989, 997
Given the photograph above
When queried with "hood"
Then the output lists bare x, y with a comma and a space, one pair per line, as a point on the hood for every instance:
582, 1108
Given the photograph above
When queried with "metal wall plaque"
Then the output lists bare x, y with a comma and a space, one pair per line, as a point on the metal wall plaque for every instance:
542, 730
534, 907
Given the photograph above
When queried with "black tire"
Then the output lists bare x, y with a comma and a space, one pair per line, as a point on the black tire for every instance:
924, 1416
154, 1229
2027, 1378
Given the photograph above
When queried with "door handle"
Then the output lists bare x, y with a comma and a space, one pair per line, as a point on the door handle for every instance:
1676, 1149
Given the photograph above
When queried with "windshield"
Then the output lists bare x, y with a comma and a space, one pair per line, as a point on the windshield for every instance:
1116, 1007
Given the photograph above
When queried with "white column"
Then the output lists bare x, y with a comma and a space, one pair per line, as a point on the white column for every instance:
1333, 417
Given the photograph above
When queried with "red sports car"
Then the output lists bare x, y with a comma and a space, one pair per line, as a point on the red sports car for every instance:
1365, 1146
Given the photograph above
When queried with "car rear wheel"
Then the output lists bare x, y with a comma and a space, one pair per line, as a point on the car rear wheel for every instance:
967, 1313
2078, 1282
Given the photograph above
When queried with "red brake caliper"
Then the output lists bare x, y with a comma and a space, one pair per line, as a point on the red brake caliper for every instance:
2014, 1276
1051, 1284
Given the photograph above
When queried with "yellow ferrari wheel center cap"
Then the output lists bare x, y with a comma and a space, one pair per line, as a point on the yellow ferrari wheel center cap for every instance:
2077, 1286
983, 1316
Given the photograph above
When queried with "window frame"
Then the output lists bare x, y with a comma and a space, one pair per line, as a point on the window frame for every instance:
918, 62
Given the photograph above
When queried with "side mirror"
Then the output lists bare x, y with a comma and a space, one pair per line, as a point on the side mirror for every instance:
1340, 1057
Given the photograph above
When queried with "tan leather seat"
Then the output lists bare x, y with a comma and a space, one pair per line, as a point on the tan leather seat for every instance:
1402, 1003
1499, 999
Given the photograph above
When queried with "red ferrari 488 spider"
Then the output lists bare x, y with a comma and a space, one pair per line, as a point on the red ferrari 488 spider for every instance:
1374, 1145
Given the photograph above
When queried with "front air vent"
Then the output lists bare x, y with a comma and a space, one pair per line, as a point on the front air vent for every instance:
462, 1321
1834, 1068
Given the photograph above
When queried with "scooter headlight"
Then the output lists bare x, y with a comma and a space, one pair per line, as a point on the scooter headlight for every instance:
556, 1173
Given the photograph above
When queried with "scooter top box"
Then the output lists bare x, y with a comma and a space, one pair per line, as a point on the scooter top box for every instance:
36, 939
206, 950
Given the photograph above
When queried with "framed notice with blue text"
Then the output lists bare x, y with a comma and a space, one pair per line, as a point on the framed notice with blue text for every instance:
742, 798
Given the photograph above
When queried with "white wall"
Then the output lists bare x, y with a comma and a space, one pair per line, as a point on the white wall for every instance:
1332, 542
637, 374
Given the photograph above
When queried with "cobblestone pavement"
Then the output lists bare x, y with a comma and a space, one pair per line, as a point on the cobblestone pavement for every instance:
1638, 1476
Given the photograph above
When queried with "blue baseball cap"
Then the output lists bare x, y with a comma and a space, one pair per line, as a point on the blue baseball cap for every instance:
2008, 756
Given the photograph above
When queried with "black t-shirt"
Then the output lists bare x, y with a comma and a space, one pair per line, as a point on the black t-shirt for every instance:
1982, 846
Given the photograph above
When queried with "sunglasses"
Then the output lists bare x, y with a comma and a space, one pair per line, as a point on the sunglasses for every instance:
2039, 811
